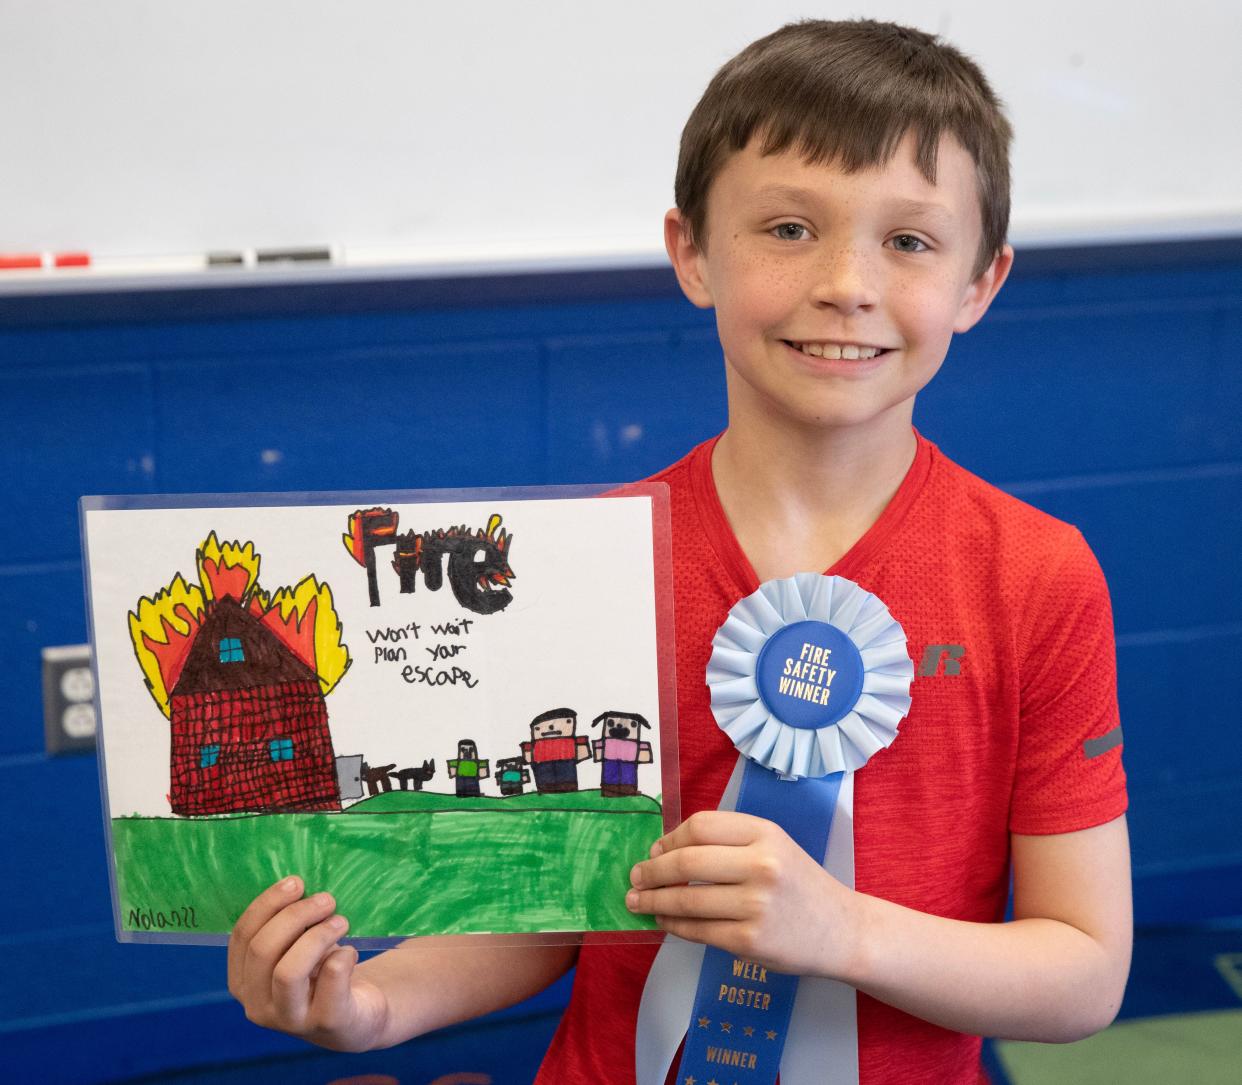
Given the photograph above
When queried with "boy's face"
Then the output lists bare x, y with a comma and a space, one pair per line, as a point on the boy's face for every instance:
836, 294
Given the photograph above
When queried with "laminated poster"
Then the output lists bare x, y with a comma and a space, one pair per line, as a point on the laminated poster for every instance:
453, 710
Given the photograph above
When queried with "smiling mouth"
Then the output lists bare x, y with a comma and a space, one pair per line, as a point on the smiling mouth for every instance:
837, 351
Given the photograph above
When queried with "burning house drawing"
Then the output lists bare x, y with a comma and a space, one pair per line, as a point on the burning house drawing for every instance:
242, 676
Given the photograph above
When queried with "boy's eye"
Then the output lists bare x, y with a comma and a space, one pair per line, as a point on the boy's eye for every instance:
791, 231
909, 243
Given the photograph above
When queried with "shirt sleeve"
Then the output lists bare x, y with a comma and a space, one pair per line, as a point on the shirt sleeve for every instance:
1069, 774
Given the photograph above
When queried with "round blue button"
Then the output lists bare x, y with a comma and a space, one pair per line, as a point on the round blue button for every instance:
809, 674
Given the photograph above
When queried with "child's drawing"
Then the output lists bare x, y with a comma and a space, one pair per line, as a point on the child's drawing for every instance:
393, 743
467, 769
512, 775
415, 776
554, 750
377, 777
242, 676
478, 561
621, 751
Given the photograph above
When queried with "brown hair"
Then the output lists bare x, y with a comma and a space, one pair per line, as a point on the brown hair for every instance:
847, 93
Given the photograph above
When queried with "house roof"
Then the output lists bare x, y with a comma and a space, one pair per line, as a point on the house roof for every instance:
267, 659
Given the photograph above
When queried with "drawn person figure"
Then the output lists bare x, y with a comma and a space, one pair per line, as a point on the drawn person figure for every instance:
621, 750
554, 750
468, 769
511, 774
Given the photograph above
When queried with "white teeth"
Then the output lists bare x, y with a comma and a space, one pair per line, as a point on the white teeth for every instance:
835, 352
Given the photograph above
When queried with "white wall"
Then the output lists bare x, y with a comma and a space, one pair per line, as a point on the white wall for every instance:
544, 130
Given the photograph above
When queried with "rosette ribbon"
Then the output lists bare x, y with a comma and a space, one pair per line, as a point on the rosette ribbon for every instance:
809, 677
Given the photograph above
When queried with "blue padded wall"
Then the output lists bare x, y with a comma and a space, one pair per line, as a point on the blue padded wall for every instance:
1103, 388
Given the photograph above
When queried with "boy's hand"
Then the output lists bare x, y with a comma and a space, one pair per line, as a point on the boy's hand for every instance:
287, 970
765, 898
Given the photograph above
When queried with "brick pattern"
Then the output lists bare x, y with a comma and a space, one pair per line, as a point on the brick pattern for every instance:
243, 723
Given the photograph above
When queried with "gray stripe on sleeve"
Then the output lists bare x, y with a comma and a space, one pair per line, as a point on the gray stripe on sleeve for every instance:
1110, 740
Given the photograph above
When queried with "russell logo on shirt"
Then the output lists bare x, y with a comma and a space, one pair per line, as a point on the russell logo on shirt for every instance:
942, 659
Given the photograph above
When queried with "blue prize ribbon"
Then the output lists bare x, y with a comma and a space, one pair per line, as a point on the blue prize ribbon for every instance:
787, 676
741, 1010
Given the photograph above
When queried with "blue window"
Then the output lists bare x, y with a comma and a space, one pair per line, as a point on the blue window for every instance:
231, 650
208, 755
281, 749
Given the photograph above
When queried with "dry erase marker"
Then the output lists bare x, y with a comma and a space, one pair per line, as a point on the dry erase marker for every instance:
33, 261
20, 261
231, 258
311, 255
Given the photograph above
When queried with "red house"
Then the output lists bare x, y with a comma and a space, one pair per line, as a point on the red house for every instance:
249, 723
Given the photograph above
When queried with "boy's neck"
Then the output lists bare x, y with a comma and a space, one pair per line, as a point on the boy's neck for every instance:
798, 499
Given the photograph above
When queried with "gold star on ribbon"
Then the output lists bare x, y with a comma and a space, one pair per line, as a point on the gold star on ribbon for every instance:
713, 1082
726, 1026
692, 1080
748, 1030
771, 1034
704, 1022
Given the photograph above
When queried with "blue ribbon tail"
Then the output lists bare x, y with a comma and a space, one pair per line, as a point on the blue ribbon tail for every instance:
741, 1009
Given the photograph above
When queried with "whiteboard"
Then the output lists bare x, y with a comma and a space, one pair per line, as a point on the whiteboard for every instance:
545, 134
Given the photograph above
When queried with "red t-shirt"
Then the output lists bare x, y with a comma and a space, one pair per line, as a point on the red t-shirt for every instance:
1010, 629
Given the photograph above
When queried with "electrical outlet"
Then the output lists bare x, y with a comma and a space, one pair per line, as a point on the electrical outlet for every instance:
68, 699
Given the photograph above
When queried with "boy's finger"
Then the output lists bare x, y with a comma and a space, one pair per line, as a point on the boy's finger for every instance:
724, 934
330, 1002
253, 919
713, 932
277, 936
291, 978
689, 901
703, 863
712, 827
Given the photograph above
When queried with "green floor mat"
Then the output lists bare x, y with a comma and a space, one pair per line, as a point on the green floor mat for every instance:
1203, 1048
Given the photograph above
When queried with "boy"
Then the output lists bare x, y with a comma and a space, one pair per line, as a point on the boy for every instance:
842, 202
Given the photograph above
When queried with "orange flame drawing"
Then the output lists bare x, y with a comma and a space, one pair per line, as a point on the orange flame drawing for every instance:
377, 522
305, 620
231, 569
163, 627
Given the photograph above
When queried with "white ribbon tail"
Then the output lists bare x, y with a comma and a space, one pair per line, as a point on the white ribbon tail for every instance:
664, 1012
668, 994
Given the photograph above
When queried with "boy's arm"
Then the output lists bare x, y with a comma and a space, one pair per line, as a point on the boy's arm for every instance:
1055, 973
287, 970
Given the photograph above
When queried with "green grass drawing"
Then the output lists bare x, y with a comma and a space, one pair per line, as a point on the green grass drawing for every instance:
398, 863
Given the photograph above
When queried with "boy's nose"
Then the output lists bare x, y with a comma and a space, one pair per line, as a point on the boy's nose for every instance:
844, 280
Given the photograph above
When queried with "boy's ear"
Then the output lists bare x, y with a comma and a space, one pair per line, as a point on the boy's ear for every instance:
980, 293
687, 260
